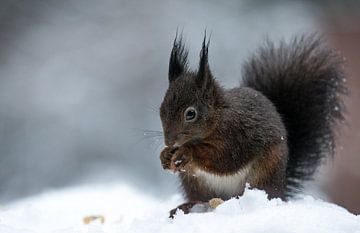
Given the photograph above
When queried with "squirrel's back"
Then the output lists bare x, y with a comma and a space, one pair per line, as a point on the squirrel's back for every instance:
304, 80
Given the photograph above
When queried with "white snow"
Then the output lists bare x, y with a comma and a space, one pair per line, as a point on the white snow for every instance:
130, 210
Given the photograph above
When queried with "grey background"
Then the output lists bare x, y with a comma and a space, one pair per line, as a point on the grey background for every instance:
81, 80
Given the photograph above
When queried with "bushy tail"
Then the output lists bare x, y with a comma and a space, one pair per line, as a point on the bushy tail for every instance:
305, 81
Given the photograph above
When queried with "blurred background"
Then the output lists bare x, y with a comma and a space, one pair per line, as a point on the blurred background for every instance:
82, 81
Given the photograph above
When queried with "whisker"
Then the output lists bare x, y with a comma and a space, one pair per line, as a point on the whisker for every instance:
150, 134
146, 134
151, 138
149, 131
154, 109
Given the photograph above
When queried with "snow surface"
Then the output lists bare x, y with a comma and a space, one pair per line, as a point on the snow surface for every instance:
130, 210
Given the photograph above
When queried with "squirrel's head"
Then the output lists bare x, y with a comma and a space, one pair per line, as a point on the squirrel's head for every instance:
191, 106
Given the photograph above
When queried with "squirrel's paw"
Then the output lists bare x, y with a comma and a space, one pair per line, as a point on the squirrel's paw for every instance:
197, 207
180, 159
166, 155
186, 207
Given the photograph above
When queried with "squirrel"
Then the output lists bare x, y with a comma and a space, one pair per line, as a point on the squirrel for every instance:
272, 132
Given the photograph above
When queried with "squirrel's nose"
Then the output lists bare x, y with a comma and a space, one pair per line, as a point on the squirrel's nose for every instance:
169, 141
170, 138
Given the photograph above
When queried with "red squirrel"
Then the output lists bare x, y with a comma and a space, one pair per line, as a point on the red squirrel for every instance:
271, 132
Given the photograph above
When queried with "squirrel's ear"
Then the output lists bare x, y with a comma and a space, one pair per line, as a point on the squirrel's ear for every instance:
178, 59
204, 77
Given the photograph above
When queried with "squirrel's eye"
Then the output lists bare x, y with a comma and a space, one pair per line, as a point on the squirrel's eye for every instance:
190, 114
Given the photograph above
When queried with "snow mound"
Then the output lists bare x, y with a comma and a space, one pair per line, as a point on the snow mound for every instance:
126, 209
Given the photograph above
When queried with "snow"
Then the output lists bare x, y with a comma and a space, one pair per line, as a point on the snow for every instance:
127, 209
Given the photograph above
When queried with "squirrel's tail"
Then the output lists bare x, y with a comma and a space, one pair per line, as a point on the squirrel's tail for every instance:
305, 81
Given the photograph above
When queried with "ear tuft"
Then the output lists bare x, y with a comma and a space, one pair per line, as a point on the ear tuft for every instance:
204, 74
178, 63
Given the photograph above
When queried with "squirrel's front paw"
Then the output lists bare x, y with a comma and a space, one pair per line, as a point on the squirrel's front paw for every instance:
180, 159
166, 155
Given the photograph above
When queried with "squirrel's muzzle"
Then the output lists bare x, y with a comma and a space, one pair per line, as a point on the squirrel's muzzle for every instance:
170, 138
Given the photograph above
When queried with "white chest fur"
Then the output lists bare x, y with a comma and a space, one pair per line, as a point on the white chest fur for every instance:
228, 186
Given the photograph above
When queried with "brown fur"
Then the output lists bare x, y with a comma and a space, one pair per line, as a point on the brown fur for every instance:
234, 128
269, 171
